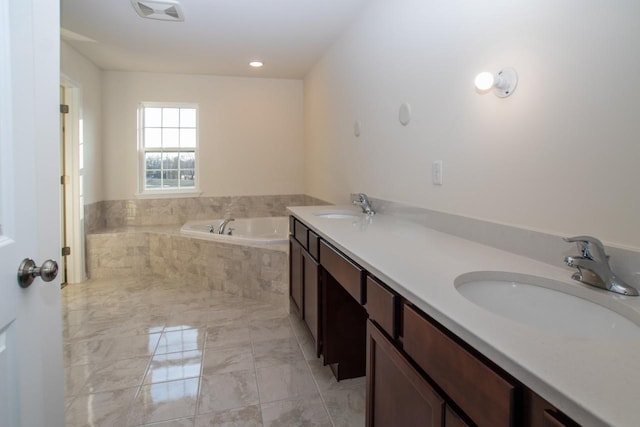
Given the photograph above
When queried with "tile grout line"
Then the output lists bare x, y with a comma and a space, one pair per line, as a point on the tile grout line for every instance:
255, 373
315, 381
201, 377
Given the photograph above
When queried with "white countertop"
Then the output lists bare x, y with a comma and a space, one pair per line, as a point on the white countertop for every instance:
594, 381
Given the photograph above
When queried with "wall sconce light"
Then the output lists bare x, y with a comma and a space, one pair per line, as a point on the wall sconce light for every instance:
503, 83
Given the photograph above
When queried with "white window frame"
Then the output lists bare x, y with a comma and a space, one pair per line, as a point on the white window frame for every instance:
144, 192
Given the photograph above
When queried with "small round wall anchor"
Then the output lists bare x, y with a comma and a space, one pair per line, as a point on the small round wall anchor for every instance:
404, 114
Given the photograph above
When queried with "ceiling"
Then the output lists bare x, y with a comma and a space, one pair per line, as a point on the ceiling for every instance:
217, 37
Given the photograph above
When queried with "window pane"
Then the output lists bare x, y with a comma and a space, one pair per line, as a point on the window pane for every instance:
188, 117
152, 160
187, 178
170, 137
170, 117
187, 160
153, 179
169, 160
152, 138
188, 138
170, 178
152, 117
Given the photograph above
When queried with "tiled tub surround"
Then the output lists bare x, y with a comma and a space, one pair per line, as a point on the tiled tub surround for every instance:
147, 350
592, 380
256, 271
141, 237
173, 211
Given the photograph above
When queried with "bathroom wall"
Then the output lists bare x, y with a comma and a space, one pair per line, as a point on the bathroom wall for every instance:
560, 155
251, 131
86, 76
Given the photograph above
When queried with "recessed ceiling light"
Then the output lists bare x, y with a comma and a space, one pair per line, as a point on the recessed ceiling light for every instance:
256, 64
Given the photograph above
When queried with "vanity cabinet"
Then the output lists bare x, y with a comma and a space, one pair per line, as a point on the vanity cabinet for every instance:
397, 394
295, 274
418, 372
312, 310
304, 277
537, 412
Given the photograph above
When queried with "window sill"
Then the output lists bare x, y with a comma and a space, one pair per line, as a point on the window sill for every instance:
168, 194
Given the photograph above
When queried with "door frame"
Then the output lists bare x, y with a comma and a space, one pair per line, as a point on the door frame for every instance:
75, 201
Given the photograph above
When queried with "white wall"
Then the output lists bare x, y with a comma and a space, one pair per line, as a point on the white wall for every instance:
86, 76
560, 155
251, 131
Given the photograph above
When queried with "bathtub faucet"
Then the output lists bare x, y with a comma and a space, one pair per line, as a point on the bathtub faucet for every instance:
224, 223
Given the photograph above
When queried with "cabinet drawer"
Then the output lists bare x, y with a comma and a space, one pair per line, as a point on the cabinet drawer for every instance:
556, 419
349, 275
484, 395
382, 306
300, 233
314, 245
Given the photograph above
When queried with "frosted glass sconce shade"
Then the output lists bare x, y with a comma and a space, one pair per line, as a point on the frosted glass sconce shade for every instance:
503, 83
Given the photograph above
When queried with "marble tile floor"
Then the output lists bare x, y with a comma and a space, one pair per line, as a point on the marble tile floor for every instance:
148, 351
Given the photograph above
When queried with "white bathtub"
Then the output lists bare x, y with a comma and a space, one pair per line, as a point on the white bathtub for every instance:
265, 230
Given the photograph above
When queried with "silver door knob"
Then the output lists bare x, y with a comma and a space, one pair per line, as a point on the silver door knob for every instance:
28, 271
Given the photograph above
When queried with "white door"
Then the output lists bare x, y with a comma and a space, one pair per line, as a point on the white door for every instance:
31, 386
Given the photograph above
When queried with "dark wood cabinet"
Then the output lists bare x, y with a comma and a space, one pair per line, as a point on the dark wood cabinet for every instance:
452, 419
537, 412
397, 394
382, 306
312, 297
483, 394
304, 271
346, 272
296, 274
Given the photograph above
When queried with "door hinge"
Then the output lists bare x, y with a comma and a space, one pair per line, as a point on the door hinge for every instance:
66, 251
64, 179
64, 109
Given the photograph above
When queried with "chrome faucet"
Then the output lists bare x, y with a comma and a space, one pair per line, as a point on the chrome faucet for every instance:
361, 199
593, 266
224, 223
212, 228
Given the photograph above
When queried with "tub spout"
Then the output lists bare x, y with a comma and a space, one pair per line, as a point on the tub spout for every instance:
224, 223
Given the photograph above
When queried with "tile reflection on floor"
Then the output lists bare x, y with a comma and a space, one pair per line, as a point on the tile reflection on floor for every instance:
148, 351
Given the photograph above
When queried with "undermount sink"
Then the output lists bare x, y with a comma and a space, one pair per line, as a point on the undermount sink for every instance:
541, 303
337, 214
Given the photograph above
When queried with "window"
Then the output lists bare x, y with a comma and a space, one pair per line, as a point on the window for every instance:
168, 145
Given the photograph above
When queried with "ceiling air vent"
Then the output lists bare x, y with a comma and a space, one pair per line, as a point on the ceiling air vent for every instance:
164, 10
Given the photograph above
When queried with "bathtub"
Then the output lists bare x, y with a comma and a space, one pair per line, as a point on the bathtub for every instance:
267, 230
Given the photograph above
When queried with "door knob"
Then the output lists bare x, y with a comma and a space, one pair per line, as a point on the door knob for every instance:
28, 271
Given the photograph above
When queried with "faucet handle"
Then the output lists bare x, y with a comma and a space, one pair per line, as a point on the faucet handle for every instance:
587, 245
357, 198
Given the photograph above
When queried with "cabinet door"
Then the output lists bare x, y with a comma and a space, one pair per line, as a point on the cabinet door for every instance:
296, 275
451, 419
311, 304
397, 395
